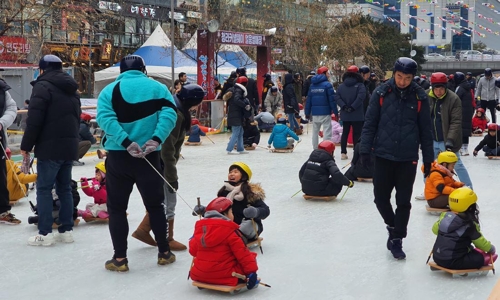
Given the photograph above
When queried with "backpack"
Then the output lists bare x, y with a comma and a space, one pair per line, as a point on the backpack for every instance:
387, 89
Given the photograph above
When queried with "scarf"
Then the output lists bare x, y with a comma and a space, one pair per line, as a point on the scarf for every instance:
234, 192
442, 169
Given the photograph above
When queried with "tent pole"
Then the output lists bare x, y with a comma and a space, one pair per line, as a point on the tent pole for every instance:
172, 39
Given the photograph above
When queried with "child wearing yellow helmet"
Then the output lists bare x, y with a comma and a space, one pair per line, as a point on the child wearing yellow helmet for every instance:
456, 230
440, 183
97, 189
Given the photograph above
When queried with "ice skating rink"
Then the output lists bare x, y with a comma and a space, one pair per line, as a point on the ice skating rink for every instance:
312, 250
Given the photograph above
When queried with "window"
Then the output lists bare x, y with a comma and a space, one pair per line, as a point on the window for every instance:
432, 28
443, 29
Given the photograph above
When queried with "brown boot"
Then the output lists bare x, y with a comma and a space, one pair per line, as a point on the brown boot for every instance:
298, 131
142, 232
173, 244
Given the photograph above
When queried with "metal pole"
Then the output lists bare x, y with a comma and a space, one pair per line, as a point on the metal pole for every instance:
90, 64
172, 38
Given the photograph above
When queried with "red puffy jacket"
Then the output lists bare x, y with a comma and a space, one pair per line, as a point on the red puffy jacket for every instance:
480, 123
219, 250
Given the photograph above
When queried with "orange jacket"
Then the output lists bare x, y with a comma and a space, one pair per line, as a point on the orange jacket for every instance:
440, 182
17, 181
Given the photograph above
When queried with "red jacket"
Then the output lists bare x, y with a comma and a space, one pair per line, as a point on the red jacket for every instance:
480, 123
100, 195
218, 250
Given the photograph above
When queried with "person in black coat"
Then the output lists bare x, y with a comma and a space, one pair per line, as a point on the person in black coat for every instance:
471, 80
465, 92
290, 102
52, 129
357, 169
425, 84
307, 85
319, 175
238, 106
252, 93
251, 134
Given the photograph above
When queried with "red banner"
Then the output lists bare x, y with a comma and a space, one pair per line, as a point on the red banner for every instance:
13, 48
240, 38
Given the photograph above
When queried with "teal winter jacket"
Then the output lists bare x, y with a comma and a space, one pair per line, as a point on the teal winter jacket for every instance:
135, 108
279, 136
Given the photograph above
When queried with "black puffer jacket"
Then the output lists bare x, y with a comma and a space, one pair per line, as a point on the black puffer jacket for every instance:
425, 84
316, 171
53, 122
488, 140
236, 105
289, 100
253, 94
351, 93
395, 130
465, 93
357, 169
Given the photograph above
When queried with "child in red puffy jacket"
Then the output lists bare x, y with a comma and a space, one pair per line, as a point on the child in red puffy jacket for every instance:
218, 248
98, 209
479, 121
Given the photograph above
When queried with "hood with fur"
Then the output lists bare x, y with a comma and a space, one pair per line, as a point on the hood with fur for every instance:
242, 87
257, 193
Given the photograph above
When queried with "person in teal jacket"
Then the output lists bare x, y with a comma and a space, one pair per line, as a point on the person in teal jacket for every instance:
279, 137
137, 114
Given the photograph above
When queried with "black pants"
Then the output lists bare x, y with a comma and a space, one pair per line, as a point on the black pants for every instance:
356, 134
4, 192
122, 171
472, 260
388, 175
465, 140
333, 188
491, 105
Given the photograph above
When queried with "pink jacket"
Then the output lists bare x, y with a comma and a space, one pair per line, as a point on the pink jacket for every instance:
100, 195
336, 132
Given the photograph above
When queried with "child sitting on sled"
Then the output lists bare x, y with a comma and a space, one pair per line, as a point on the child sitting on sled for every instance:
98, 209
479, 121
456, 230
440, 183
319, 175
195, 132
279, 136
219, 249
490, 143
17, 181
251, 134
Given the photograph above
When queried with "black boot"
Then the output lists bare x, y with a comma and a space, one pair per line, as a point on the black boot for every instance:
389, 230
397, 249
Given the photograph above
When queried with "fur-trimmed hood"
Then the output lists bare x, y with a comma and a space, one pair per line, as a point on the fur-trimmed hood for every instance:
234, 193
242, 87
230, 91
257, 193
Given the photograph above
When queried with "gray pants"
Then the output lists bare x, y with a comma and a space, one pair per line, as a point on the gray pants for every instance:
170, 201
318, 121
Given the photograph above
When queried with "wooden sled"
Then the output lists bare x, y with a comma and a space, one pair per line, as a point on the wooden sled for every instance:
436, 211
477, 134
192, 143
461, 273
365, 179
493, 157
55, 226
97, 220
250, 148
255, 243
242, 287
281, 150
320, 198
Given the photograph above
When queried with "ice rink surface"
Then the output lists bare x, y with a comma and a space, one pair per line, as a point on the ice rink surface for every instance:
312, 250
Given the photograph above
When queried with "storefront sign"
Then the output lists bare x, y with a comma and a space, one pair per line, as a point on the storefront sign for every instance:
193, 14
177, 16
107, 48
106, 5
240, 38
13, 48
143, 11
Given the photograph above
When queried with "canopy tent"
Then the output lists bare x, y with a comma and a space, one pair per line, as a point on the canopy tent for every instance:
156, 52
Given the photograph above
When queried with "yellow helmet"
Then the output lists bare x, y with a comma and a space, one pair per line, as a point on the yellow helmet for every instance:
100, 166
461, 199
244, 167
447, 157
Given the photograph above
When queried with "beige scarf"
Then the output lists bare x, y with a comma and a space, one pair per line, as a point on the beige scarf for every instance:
234, 192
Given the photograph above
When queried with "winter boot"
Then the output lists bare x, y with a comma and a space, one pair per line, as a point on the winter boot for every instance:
344, 156
397, 249
389, 230
165, 259
173, 244
142, 232
465, 150
118, 266
298, 131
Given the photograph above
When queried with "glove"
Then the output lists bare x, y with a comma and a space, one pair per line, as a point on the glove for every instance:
427, 169
350, 109
83, 179
150, 146
25, 167
96, 187
493, 250
345, 107
246, 227
248, 107
171, 185
252, 280
449, 145
351, 184
474, 153
365, 160
199, 210
134, 150
251, 212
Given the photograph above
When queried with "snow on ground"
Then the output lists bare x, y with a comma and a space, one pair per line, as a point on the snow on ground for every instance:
312, 250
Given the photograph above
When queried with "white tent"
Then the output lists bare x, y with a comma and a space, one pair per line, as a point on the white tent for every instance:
156, 52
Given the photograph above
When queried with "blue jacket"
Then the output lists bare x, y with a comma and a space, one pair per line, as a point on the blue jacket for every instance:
320, 98
395, 129
195, 133
351, 93
279, 136
135, 108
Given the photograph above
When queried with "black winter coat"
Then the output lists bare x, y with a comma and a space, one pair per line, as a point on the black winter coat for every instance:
236, 106
351, 93
396, 129
490, 141
53, 122
357, 169
465, 93
289, 99
85, 134
425, 84
251, 135
227, 85
307, 85
316, 171
253, 94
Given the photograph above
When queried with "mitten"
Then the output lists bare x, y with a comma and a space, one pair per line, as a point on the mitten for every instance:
427, 169
252, 280
365, 159
449, 145
251, 212
246, 227
150, 146
351, 184
199, 210
83, 179
135, 150
474, 153
493, 250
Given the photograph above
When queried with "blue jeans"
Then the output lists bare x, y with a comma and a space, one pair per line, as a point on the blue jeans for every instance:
460, 169
487, 150
52, 172
236, 139
293, 122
